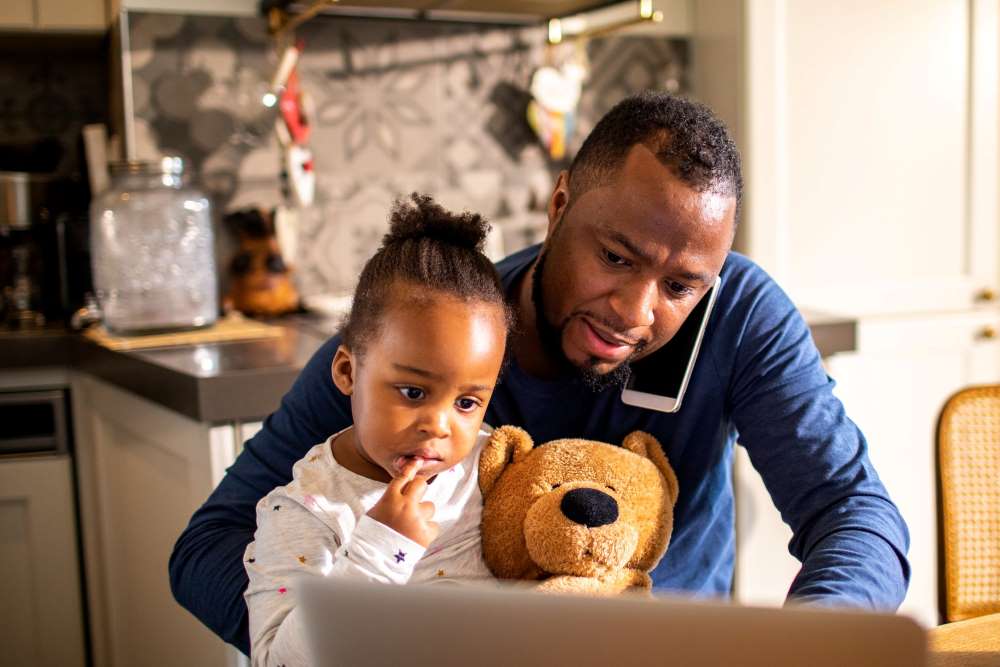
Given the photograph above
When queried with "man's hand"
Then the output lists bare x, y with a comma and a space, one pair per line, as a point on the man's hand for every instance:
401, 509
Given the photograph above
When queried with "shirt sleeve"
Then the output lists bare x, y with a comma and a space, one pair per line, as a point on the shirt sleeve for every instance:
291, 542
848, 534
206, 570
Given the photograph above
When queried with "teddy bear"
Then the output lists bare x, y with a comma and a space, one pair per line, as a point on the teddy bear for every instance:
578, 516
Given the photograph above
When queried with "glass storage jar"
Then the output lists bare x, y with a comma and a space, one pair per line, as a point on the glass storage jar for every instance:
152, 250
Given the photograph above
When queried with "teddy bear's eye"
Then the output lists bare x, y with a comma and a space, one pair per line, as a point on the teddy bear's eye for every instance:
556, 486
612, 488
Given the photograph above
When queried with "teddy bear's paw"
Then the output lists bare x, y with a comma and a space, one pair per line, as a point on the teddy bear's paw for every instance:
624, 581
575, 585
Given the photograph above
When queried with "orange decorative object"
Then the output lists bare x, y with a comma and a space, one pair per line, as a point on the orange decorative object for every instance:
261, 282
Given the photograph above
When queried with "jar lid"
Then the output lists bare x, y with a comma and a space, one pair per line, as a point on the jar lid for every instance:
169, 165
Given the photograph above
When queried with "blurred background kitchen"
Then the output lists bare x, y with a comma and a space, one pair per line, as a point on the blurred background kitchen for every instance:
190, 189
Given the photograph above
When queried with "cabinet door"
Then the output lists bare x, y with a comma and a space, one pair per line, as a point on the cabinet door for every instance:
17, 14
41, 615
72, 14
871, 151
893, 387
143, 471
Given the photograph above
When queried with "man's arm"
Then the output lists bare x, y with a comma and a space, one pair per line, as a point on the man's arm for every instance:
814, 461
206, 568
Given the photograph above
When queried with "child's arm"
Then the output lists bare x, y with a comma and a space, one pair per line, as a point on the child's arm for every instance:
292, 540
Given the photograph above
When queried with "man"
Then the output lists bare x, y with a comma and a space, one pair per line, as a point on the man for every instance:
639, 228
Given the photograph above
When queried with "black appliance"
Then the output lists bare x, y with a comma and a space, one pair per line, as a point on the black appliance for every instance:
44, 260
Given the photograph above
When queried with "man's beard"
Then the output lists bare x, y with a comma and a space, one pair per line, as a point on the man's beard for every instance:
551, 339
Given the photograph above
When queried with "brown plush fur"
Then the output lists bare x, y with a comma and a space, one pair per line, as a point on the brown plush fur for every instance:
526, 535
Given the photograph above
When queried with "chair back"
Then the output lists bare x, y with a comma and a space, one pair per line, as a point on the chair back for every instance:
968, 462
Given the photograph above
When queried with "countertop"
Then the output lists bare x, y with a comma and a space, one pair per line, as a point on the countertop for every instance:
971, 643
212, 383
240, 381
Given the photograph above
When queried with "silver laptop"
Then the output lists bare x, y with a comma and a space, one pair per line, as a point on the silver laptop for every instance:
357, 624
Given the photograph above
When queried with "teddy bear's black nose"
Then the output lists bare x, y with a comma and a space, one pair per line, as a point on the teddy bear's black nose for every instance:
589, 507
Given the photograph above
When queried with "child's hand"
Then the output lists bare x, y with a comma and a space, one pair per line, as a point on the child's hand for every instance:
400, 507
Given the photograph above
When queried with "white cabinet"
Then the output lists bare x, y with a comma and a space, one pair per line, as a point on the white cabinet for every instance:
41, 614
71, 14
17, 14
55, 15
143, 471
869, 136
869, 130
215, 8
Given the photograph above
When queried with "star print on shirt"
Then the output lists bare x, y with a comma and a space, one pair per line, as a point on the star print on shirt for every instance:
302, 559
277, 507
400, 557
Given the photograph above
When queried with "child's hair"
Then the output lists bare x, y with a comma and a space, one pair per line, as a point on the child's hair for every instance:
429, 248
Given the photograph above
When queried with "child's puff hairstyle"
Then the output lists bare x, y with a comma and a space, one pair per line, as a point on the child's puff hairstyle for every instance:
428, 248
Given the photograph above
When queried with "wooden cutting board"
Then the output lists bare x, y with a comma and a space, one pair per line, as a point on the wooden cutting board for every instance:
229, 328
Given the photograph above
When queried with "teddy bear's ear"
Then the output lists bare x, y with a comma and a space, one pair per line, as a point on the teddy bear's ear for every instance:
646, 445
506, 445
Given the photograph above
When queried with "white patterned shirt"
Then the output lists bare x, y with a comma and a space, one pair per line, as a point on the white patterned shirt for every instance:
318, 524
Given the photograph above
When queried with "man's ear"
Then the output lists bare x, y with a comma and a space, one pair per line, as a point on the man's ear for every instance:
649, 447
343, 369
558, 202
506, 445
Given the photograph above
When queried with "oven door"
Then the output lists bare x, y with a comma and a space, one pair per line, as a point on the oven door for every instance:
33, 422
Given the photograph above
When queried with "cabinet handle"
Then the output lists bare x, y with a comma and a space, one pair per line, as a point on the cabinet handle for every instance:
988, 332
986, 294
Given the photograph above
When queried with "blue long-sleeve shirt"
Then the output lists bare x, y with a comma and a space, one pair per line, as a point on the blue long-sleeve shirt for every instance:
758, 377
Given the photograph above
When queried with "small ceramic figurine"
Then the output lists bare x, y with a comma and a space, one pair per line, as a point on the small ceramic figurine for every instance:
261, 282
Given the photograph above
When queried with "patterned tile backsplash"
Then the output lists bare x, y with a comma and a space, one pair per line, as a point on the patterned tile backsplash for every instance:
48, 92
400, 106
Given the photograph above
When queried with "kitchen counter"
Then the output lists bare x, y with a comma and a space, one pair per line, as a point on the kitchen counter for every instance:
240, 381
211, 383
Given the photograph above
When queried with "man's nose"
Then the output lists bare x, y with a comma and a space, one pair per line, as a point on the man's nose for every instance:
634, 303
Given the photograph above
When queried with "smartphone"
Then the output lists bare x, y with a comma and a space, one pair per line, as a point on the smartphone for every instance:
659, 381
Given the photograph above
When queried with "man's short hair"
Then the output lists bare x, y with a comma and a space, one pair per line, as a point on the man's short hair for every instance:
683, 134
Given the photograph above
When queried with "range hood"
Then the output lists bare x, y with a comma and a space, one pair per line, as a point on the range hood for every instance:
513, 11
672, 17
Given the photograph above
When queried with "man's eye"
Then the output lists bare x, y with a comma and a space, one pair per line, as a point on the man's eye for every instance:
678, 289
411, 393
615, 260
467, 404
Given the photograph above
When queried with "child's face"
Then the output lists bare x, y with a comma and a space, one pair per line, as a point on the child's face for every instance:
421, 389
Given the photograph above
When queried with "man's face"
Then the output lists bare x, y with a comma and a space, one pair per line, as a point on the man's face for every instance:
625, 264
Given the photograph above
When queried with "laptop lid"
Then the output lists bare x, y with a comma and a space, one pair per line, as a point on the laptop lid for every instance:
359, 624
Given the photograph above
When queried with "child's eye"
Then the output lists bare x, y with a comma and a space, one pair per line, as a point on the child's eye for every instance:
411, 393
467, 404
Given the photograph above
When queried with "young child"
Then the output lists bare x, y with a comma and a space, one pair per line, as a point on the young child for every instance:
395, 497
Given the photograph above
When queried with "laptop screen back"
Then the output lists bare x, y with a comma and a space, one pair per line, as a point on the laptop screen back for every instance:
359, 624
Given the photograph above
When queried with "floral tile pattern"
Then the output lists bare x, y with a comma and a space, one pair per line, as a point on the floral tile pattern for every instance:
400, 106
